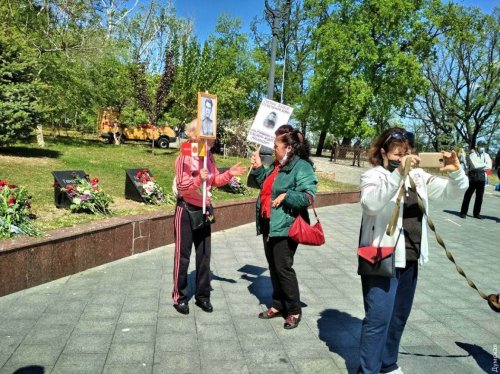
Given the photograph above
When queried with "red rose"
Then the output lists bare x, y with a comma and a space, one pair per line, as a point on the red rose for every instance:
3, 183
11, 201
12, 186
94, 180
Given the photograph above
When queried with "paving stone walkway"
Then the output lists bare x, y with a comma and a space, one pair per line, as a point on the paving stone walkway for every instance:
118, 318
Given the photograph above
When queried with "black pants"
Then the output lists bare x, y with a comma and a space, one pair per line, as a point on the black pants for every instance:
478, 187
279, 253
184, 240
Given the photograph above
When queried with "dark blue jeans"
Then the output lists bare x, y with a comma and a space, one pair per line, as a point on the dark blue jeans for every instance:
388, 303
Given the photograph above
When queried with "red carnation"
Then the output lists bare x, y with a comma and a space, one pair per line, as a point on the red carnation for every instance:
3, 183
12, 200
94, 180
12, 186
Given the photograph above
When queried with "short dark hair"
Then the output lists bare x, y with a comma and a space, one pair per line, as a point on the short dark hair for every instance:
209, 100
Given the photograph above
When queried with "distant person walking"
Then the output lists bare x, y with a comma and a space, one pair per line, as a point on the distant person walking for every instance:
288, 187
477, 163
497, 163
388, 301
333, 155
357, 152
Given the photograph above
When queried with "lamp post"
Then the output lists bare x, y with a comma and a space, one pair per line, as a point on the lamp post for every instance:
284, 69
276, 16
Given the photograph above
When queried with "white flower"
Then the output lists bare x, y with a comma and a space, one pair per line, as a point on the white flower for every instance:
77, 201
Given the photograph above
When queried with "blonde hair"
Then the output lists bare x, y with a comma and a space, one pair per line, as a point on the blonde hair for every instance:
187, 126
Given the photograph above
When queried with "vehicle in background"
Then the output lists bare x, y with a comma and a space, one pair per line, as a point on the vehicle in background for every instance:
113, 131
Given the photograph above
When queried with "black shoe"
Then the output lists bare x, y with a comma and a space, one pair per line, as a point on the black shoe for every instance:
478, 217
205, 306
292, 322
182, 308
463, 216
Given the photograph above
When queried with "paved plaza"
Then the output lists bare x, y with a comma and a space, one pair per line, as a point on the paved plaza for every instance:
118, 318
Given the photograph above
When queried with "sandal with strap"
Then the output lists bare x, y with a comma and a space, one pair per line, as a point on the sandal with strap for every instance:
270, 313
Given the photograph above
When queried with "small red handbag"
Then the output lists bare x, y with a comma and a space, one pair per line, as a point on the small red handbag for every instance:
303, 233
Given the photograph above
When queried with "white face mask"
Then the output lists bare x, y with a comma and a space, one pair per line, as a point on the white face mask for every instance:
284, 159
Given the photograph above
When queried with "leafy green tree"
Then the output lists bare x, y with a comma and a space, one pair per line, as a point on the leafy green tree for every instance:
20, 109
367, 64
462, 80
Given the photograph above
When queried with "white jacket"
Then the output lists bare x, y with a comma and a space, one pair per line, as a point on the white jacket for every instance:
379, 189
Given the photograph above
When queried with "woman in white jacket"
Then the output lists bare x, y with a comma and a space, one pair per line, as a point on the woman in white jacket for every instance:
388, 301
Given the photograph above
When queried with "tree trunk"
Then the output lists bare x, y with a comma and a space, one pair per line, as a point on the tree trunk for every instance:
303, 127
39, 136
321, 143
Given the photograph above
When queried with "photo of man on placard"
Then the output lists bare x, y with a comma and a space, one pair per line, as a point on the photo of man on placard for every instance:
270, 121
207, 113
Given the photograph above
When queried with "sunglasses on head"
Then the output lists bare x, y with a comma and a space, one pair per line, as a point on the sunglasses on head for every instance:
400, 135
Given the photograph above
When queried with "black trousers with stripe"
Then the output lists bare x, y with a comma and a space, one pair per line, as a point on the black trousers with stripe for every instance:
185, 237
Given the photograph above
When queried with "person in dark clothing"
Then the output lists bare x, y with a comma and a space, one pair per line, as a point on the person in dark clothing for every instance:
357, 152
333, 155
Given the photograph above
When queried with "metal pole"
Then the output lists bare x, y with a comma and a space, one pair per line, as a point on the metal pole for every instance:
277, 16
283, 77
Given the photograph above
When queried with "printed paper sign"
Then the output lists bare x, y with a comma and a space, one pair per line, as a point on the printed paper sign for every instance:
270, 116
193, 149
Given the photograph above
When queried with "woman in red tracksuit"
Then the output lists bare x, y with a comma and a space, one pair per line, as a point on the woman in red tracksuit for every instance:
189, 176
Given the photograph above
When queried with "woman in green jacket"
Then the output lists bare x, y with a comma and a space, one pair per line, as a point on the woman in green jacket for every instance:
288, 187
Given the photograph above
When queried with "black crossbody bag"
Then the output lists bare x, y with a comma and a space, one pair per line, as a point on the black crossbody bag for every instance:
197, 219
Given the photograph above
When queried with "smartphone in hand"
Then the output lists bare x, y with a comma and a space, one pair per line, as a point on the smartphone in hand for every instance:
431, 160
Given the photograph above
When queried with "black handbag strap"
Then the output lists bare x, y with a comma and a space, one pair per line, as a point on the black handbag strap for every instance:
311, 203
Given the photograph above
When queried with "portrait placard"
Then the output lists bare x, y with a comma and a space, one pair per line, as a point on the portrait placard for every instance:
270, 116
207, 116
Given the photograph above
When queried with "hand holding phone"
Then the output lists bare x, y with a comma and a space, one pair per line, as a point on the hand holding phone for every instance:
431, 160
445, 161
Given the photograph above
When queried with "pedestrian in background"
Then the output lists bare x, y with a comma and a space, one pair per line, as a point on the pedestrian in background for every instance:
357, 152
288, 187
477, 163
333, 155
388, 301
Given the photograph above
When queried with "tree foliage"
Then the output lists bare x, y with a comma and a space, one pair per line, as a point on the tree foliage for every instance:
463, 80
20, 109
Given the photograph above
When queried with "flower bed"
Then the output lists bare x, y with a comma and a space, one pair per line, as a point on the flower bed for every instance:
16, 217
86, 196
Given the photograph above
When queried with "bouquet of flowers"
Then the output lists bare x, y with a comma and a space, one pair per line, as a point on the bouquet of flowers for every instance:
235, 186
86, 196
15, 211
150, 189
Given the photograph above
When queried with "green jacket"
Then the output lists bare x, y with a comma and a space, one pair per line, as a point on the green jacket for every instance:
297, 179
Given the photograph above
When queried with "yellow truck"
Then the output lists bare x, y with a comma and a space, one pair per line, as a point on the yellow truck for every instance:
110, 129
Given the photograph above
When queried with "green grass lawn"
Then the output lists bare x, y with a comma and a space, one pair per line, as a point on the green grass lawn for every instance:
31, 167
